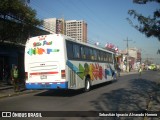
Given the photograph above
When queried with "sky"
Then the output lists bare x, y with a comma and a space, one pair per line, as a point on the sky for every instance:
106, 21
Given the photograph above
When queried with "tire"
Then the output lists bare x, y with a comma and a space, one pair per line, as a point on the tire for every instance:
87, 85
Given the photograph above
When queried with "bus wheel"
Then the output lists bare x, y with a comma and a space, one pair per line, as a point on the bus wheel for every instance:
87, 85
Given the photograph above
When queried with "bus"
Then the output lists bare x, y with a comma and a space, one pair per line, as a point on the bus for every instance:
57, 61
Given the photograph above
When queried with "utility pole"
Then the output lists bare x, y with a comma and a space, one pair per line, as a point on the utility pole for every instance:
127, 54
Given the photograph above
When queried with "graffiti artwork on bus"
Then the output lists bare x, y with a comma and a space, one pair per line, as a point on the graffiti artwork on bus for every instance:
40, 51
94, 70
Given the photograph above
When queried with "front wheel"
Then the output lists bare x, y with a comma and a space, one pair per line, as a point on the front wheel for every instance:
87, 85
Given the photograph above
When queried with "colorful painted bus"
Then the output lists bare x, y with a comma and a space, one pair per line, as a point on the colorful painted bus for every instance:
56, 61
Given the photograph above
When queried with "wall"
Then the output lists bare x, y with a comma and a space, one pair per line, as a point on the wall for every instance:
11, 55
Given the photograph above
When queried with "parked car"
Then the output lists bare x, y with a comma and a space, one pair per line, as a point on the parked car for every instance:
152, 67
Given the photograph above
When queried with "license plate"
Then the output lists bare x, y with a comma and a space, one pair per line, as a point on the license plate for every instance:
43, 76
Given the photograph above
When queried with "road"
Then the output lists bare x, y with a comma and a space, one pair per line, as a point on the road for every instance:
128, 93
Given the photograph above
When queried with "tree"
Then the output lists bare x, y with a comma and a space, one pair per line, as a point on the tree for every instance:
150, 26
16, 19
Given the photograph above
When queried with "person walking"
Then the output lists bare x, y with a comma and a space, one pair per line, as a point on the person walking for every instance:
14, 75
140, 71
118, 70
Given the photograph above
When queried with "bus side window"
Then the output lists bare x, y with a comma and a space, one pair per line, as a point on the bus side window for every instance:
114, 58
105, 57
76, 51
87, 53
102, 55
83, 56
110, 57
95, 54
98, 54
69, 50
91, 54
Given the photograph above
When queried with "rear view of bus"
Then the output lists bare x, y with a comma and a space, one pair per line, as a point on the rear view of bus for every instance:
45, 62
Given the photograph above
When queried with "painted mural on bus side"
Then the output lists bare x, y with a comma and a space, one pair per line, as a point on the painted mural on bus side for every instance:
95, 70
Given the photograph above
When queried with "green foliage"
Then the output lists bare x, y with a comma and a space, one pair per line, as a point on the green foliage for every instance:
19, 11
150, 26
17, 21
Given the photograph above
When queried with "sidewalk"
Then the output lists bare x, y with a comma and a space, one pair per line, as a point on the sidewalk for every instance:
6, 90
128, 73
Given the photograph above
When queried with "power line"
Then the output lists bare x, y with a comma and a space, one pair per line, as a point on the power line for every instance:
36, 4
102, 22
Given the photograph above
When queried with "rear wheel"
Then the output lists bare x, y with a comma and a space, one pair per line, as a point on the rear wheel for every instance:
87, 85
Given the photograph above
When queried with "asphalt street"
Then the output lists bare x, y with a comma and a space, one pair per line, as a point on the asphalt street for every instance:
129, 93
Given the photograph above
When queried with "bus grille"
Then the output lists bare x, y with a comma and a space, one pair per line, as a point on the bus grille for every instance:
72, 79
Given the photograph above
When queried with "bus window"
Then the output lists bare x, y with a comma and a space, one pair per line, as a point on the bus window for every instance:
99, 56
69, 50
95, 54
87, 53
83, 56
91, 54
76, 51
102, 56
105, 57
114, 58
110, 57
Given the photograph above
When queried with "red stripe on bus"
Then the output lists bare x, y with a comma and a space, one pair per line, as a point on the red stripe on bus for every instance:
43, 73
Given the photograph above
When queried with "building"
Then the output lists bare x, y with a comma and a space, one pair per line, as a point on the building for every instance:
134, 58
54, 25
10, 55
60, 26
50, 25
135, 53
77, 29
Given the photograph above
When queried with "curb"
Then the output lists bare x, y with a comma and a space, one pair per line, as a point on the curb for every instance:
6, 88
18, 93
128, 73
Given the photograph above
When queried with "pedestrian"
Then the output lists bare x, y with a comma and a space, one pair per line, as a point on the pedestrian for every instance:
140, 70
118, 70
114, 75
15, 80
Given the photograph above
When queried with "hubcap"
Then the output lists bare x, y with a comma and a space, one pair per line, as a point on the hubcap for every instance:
88, 85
